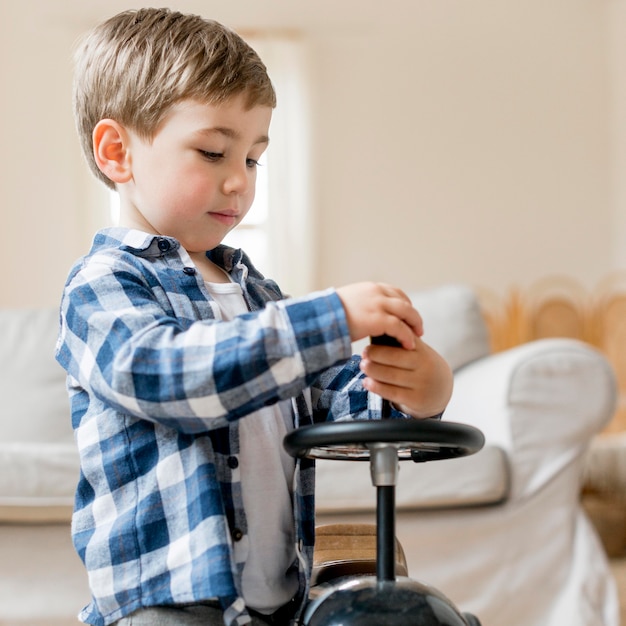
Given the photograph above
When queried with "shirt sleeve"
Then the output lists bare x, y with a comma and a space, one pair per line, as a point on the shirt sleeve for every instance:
122, 341
338, 394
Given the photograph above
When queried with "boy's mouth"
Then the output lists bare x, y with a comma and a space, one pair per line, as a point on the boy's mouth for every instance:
228, 218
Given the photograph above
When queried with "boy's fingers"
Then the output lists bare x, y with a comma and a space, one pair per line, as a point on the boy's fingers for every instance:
407, 314
391, 356
395, 374
406, 329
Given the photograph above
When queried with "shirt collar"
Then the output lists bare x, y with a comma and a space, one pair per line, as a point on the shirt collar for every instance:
147, 245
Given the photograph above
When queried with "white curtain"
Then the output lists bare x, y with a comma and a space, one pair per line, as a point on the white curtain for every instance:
289, 227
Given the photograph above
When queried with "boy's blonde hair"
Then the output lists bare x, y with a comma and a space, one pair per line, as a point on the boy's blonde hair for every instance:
134, 66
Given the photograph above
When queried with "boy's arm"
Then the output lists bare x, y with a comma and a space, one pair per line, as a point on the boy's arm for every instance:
119, 342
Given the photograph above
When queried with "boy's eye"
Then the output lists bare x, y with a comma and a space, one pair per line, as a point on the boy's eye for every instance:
211, 156
218, 156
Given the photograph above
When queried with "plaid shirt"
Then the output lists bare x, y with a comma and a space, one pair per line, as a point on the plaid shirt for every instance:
157, 383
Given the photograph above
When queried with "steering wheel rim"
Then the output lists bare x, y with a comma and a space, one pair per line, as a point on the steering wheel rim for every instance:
416, 440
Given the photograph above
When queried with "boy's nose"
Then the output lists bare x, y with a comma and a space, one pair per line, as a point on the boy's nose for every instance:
238, 180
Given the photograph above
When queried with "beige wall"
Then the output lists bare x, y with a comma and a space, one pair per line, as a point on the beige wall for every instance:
452, 141
616, 20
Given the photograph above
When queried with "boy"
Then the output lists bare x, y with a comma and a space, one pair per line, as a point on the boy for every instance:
186, 367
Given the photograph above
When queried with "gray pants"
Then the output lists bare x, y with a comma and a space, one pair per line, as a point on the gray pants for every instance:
192, 615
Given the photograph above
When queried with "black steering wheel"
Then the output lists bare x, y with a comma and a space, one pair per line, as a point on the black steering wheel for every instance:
414, 439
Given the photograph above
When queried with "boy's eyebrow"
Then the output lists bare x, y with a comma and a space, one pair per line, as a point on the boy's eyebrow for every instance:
231, 133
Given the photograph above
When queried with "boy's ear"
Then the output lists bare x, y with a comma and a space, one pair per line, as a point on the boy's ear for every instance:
110, 149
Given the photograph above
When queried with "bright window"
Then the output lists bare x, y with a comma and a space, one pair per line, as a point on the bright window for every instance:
281, 235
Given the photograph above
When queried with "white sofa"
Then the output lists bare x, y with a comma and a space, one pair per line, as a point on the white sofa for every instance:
42, 582
501, 533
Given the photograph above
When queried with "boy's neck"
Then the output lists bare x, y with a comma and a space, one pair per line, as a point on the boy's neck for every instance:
211, 273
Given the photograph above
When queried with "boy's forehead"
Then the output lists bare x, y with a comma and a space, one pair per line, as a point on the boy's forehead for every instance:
231, 118
234, 107
230, 133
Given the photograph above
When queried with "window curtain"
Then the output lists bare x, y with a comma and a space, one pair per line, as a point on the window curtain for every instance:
290, 227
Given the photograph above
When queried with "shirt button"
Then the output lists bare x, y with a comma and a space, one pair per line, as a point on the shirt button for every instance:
164, 245
237, 534
190, 271
233, 462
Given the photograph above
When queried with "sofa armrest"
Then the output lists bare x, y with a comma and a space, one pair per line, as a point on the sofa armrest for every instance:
542, 402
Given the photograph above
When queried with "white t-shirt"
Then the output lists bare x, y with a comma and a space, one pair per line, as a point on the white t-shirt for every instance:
267, 474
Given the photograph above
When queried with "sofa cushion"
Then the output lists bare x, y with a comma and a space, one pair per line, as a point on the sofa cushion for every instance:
477, 480
38, 457
32, 385
37, 481
453, 323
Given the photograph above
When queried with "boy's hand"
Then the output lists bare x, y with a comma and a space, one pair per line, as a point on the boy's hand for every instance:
417, 381
378, 309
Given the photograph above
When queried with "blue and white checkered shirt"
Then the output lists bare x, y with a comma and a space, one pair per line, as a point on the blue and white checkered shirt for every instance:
157, 383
